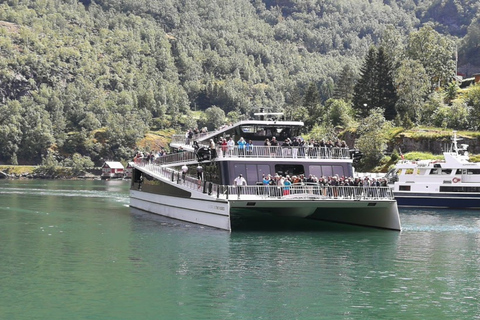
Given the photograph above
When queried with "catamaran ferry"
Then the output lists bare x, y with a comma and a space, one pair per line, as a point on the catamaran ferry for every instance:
208, 180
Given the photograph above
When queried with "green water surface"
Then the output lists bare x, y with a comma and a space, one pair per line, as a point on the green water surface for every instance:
75, 250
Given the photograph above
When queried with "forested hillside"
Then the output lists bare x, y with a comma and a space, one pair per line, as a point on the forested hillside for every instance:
90, 78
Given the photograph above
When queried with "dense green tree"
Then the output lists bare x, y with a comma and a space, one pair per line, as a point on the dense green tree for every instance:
372, 138
472, 100
215, 118
345, 85
412, 87
436, 54
73, 68
339, 113
311, 103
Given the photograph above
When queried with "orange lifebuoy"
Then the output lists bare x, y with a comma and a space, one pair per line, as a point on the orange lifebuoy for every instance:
455, 180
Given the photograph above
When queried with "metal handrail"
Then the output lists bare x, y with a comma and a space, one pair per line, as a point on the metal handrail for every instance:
284, 152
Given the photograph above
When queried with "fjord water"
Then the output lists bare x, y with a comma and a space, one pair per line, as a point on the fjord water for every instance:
75, 250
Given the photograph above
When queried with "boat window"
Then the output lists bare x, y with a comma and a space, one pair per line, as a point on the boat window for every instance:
404, 188
239, 169
408, 171
289, 169
263, 169
435, 171
327, 171
315, 170
459, 189
338, 170
473, 171
248, 129
252, 174
446, 171
260, 132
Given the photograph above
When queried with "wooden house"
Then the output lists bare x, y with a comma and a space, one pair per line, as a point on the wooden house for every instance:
112, 170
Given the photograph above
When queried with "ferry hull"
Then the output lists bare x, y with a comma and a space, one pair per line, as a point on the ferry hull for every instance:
214, 214
217, 214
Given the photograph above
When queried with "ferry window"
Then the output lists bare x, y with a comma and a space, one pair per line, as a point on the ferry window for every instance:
459, 171
459, 189
408, 171
237, 169
291, 170
327, 171
338, 170
404, 188
473, 171
248, 129
252, 174
446, 171
315, 170
263, 169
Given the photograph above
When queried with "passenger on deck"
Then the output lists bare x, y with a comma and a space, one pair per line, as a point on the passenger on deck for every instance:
241, 147
184, 172
295, 145
239, 182
213, 151
230, 146
273, 146
224, 147
249, 148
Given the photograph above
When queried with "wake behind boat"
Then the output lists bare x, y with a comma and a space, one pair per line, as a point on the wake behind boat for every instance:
450, 183
210, 183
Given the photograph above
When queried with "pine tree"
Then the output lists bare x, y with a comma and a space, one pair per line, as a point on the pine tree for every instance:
345, 85
366, 86
375, 88
387, 94
311, 102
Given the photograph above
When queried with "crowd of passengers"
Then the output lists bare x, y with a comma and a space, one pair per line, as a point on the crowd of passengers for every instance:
294, 147
149, 157
278, 185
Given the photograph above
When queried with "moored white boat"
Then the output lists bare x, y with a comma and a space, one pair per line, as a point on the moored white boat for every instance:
450, 183
208, 196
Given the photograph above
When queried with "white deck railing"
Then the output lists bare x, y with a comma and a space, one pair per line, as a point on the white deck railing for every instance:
260, 152
293, 192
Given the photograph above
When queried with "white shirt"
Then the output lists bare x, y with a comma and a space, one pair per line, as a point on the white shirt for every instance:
240, 181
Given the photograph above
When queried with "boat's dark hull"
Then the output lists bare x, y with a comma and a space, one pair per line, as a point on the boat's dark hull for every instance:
436, 200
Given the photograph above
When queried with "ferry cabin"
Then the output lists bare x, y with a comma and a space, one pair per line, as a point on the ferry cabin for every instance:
422, 176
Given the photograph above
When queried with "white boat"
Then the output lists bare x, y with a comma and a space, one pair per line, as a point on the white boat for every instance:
211, 199
450, 183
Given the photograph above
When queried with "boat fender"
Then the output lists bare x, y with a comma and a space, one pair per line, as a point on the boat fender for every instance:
455, 180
